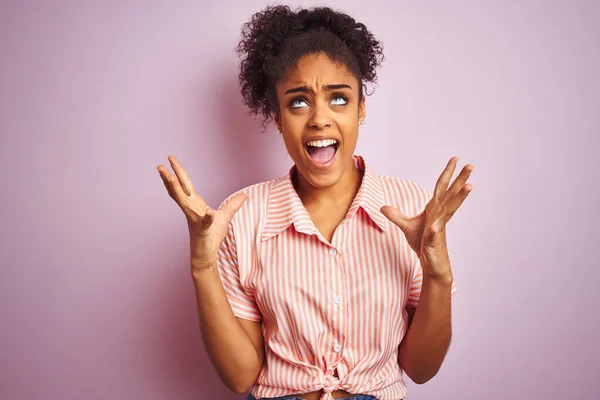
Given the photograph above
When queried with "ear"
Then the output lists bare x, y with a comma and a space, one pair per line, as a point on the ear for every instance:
362, 109
277, 121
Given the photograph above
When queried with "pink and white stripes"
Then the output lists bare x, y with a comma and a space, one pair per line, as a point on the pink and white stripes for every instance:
325, 306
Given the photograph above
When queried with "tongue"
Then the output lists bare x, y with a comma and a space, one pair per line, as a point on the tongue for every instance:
322, 154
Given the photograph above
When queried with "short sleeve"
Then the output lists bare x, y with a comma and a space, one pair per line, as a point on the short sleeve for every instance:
416, 282
242, 303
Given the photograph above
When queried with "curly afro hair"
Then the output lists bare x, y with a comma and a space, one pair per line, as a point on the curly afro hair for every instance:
276, 38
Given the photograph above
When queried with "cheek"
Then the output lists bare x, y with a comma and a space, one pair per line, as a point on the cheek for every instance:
289, 118
292, 138
350, 138
293, 126
348, 128
347, 120
290, 142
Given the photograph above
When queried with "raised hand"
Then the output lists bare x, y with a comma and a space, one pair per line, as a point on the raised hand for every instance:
207, 227
426, 232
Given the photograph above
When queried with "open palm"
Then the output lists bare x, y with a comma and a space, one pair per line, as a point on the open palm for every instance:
207, 227
426, 232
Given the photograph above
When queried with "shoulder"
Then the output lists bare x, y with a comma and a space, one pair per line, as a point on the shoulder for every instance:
407, 195
257, 199
256, 193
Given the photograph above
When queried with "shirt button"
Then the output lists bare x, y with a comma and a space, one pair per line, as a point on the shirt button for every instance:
337, 300
332, 252
337, 348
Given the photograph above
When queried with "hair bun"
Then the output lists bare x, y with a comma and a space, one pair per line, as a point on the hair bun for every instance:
276, 37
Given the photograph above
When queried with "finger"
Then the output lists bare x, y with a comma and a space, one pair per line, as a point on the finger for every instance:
443, 181
177, 191
461, 180
233, 205
395, 216
456, 201
184, 180
209, 218
202, 226
163, 172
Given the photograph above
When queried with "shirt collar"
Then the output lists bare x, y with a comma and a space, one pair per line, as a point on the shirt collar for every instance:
285, 207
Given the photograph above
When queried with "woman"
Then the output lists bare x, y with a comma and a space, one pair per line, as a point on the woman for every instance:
331, 281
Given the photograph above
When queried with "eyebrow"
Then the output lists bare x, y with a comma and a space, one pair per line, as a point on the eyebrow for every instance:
305, 89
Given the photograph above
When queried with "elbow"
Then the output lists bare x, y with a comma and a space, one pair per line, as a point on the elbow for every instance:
240, 389
239, 376
239, 386
241, 382
419, 373
421, 379
422, 376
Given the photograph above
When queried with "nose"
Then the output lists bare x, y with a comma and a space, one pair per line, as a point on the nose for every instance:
320, 118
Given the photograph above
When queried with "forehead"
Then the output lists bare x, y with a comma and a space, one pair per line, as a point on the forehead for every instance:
317, 70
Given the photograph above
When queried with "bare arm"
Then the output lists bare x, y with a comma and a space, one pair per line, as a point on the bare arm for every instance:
234, 345
428, 337
426, 342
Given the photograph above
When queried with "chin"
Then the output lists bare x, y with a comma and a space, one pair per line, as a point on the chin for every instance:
323, 181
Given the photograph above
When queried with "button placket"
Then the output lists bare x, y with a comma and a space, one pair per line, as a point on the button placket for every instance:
339, 310
337, 288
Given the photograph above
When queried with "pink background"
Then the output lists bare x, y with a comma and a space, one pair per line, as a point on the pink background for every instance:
96, 300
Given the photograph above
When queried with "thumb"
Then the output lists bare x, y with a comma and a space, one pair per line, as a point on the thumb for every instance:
233, 205
396, 216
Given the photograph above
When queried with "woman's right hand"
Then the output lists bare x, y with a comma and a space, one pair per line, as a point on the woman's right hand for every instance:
207, 227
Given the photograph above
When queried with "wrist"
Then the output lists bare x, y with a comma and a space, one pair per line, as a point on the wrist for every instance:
199, 266
438, 279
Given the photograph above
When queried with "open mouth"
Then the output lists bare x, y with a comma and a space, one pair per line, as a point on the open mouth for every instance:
323, 151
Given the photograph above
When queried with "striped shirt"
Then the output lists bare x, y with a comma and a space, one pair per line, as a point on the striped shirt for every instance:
325, 306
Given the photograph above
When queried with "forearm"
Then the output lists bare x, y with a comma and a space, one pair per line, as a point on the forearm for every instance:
425, 344
229, 347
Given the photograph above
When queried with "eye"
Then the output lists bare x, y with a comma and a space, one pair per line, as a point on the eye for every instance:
297, 102
339, 100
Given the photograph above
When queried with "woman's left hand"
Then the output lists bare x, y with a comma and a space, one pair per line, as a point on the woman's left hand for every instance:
426, 232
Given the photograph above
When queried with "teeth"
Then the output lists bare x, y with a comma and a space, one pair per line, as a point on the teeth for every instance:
322, 143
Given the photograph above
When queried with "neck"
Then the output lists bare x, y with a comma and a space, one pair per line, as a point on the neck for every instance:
340, 193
